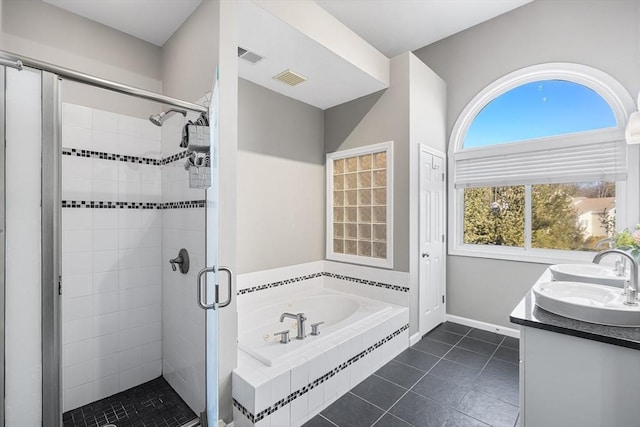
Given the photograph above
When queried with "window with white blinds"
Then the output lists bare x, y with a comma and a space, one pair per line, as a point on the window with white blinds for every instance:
538, 165
543, 162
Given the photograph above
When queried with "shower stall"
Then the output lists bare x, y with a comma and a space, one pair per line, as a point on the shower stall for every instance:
127, 207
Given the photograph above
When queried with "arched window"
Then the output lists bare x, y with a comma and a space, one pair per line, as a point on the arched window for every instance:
540, 109
538, 163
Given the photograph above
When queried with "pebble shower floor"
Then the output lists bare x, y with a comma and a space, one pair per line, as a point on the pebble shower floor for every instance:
152, 404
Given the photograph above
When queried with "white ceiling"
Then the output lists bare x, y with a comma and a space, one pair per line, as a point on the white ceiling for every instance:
154, 21
397, 26
391, 26
331, 79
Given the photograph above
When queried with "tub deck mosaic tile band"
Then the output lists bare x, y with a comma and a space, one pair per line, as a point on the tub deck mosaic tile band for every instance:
254, 418
153, 403
324, 273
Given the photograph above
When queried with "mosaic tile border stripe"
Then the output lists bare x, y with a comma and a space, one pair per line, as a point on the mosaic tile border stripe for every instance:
124, 158
278, 283
293, 396
185, 204
324, 273
100, 204
110, 156
178, 156
368, 282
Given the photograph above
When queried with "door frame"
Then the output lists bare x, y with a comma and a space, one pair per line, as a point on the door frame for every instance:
421, 295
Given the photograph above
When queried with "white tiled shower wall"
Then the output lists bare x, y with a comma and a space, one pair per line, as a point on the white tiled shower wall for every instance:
183, 324
111, 307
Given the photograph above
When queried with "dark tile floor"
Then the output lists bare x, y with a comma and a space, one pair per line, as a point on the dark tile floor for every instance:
152, 404
455, 376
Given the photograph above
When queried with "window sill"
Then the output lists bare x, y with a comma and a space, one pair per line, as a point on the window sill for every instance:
540, 256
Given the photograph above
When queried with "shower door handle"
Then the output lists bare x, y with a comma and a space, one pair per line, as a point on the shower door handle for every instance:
230, 287
202, 293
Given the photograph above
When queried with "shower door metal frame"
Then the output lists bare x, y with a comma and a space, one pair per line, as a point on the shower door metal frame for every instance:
51, 238
17, 61
2, 240
51, 217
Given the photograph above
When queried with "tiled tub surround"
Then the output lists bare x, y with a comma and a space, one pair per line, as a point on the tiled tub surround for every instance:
317, 370
385, 285
111, 257
335, 309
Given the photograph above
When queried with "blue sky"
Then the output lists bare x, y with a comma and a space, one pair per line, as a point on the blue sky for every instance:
539, 109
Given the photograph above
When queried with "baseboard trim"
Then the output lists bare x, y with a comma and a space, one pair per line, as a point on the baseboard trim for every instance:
414, 338
515, 333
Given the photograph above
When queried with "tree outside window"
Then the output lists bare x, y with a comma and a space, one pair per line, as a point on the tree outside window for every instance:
563, 216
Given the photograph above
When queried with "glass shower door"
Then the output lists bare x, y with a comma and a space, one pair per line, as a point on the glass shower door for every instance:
209, 277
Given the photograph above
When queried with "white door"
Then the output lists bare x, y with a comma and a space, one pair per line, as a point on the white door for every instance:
432, 238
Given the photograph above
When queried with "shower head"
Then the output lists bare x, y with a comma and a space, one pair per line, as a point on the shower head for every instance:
158, 119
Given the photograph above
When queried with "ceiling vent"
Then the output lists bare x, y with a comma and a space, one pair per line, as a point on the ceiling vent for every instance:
249, 56
290, 78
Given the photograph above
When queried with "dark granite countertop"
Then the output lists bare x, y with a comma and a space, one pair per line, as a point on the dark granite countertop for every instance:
527, 313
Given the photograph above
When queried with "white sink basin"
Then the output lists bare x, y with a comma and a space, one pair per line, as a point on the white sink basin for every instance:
590, 273
587, 302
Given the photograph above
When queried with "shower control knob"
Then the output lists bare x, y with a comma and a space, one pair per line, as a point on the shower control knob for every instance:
182, 261
425, 255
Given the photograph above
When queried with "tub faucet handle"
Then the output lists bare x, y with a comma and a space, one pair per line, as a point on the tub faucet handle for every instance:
284, 336
315, 328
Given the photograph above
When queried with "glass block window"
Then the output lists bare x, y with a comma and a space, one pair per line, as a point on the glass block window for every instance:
359, 205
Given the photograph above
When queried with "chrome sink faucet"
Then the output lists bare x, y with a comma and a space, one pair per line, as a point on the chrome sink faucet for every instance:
607, 241
300, 319
631, 291
621, 267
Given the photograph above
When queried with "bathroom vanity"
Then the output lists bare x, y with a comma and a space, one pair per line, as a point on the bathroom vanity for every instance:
575, 373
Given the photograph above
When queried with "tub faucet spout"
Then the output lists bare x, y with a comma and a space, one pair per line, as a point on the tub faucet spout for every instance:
300, 319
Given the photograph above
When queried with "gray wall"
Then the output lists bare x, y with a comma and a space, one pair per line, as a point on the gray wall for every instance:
1, 26
380, 117
39, 30
190, 56
488, 290
280, 180
410, 112
601, 34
